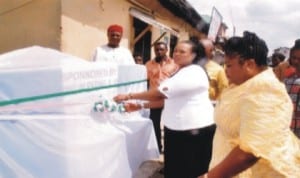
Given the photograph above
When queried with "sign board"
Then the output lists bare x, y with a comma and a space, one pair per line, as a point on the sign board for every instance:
215, 24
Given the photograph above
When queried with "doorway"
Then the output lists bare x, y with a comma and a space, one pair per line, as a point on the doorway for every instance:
143, 45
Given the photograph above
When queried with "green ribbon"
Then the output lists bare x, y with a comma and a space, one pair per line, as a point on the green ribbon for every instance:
65, 93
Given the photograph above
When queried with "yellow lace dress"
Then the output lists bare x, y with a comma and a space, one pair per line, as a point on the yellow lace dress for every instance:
256, 116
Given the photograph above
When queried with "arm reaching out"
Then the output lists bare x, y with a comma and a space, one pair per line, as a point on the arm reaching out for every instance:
131, 106
150, 95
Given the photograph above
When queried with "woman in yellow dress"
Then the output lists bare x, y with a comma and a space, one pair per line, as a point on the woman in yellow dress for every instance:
253, 137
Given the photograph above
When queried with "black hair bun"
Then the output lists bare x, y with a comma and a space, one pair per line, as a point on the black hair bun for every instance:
250, 38
297, 43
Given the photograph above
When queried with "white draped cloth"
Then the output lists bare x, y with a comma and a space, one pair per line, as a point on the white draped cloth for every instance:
61, 136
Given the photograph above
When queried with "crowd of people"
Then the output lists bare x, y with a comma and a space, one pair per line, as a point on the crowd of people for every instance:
234, 117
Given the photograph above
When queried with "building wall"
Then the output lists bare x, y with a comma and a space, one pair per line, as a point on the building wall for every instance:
165, 17
25, 23
84, 24
76, 26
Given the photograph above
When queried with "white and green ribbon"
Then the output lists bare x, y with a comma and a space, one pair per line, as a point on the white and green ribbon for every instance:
65, 93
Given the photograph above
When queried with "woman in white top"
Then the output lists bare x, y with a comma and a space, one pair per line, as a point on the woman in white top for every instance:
187, 114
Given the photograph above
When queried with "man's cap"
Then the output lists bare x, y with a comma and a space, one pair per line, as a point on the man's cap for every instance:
115, 28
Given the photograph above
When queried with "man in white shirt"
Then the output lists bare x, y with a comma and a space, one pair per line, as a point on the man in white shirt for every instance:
112, 52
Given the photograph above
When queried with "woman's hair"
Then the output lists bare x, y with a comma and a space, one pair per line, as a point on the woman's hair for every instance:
278, 55
296, 46
197, 48
250, 46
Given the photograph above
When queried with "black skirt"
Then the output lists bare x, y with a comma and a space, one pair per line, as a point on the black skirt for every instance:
187, 153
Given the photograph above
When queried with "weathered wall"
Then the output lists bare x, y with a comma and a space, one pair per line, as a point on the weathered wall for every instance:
25, 23
84, 24
77, 26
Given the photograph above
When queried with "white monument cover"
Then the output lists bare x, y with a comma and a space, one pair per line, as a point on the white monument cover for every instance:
48, 128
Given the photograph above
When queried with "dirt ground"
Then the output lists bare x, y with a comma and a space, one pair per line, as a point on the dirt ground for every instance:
150, 169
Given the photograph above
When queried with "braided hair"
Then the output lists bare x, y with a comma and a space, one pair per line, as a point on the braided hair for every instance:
250, 46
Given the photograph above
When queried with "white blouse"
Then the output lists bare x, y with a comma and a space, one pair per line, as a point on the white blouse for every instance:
187, 105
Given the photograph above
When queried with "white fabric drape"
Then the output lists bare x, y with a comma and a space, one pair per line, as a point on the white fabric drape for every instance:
63, 137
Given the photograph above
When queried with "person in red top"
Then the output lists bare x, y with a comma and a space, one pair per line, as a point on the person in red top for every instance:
158, 69
292, 83
284, 70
